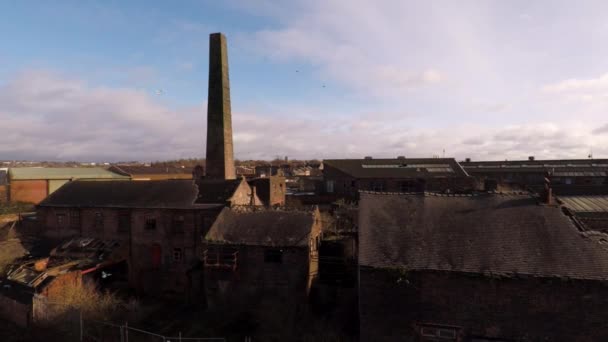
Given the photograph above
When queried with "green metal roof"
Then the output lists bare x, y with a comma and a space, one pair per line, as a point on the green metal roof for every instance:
25, 173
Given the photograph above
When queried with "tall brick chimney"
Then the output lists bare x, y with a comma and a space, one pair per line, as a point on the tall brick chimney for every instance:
220, 159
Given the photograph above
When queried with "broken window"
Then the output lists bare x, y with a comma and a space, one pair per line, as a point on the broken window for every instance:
150, 224
99, 220
177, 254
60, 219
273, 256
124, 221
377, 186
75, 218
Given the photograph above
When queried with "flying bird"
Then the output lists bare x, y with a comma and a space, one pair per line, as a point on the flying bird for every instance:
159, 91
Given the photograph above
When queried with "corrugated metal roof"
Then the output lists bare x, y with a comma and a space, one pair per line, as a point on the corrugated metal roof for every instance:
25, 173
585, 203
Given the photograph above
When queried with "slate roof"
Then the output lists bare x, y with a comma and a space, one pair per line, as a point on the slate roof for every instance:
497, 234
398, 168
561, 167
216, 191
276, 228
26, 173
176, 194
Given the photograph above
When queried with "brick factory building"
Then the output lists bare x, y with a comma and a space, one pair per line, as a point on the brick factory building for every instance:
33, 184
345, 177
478, 268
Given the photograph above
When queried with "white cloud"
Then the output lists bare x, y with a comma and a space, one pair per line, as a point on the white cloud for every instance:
599, 84
50, 116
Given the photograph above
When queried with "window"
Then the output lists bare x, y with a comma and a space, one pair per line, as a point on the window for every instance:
150, 224
98, 223
568, 181
60, 219
377, 186
273, 256
124, 222
177, 226
75, 218
329, 186
438, 333
177, 254
407, 186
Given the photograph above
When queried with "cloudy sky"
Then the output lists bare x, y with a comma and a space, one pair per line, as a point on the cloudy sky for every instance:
116, 80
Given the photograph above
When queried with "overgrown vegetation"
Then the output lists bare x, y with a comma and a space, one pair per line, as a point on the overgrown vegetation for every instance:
15, 208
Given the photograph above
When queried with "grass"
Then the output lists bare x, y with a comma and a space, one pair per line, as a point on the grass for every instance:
16, 208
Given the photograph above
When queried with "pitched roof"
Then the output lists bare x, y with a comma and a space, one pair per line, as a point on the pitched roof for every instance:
591, 211
496, 234
216, 190
177, 194
275, 228
146, 170
585, 203
398, 168
25, 173
562, 167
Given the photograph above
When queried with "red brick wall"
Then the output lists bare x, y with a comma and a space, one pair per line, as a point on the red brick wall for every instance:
537, 309
140, 240
3, 194
28, 191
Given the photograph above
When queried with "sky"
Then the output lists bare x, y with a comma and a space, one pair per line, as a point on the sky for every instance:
127, 80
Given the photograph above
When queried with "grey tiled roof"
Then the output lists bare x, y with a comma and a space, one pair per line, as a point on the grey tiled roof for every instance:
178, 194
264, 228
398, 168
495, 234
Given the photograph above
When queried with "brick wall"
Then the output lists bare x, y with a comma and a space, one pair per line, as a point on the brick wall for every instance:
167, 238
3, 194
510, 308
28, 191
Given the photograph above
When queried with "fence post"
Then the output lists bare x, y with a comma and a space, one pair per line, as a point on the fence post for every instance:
81, 327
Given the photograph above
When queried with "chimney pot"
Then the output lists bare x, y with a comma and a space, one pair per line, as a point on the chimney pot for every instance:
531, 158
368, 158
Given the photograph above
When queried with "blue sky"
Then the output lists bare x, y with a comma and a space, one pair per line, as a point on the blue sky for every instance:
481, 79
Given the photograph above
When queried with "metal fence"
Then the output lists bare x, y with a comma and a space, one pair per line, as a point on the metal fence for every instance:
99, 331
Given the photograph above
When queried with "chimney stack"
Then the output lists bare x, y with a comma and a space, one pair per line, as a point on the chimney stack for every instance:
220, 159
531, 158
548, 200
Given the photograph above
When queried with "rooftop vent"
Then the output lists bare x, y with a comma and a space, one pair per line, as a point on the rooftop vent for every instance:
367, 158
401, 157
531, 158
468, 160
